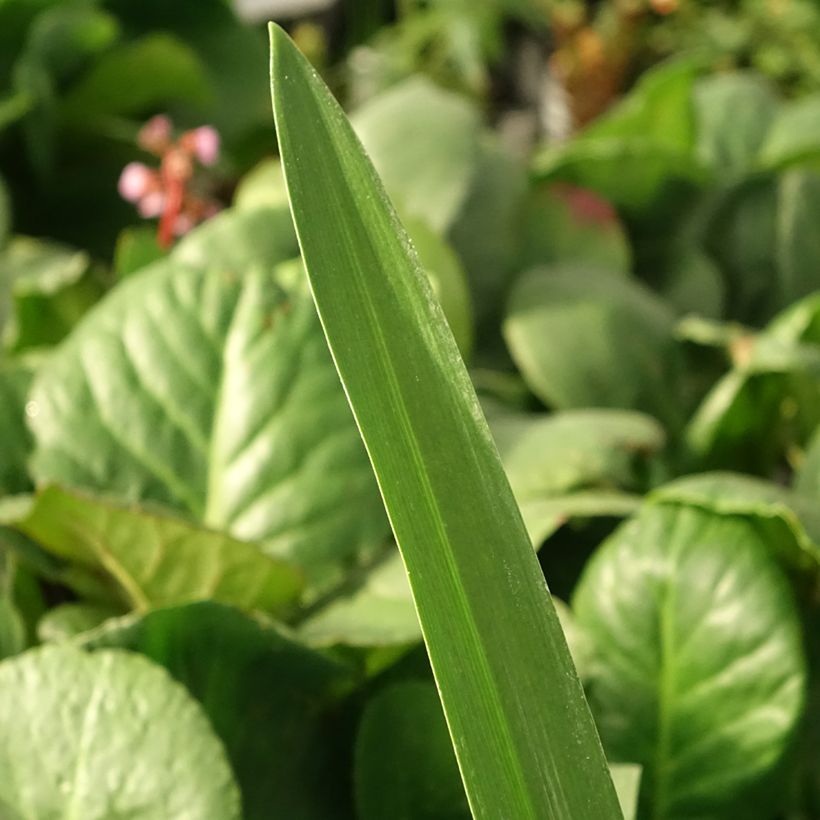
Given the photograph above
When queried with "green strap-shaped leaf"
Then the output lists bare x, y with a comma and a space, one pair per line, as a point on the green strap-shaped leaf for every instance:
525, 742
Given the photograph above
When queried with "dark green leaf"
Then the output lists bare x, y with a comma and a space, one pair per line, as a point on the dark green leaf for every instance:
733, 113
405, 766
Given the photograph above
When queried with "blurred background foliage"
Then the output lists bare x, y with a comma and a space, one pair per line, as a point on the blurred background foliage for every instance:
617, 205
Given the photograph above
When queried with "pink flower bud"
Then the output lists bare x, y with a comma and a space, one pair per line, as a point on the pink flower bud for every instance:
184, 223
205, 144
135, 181
151, 205
155, 135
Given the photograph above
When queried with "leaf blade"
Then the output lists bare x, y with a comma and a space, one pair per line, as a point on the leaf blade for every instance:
422, 425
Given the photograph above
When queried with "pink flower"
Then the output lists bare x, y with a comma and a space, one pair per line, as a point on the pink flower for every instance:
151, 205
135, 181
205, 144
155, 135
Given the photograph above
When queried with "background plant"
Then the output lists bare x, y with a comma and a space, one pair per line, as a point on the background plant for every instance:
187, 509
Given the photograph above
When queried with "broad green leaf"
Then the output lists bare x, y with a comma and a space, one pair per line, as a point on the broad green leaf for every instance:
493, 638
787, 520
698, 671
377, 611
15, 440
692, 283
768, 403
262, 187
593, 339
562, 223
66, 621
545, 516
424, 142
155, 68
733, 112
210, 389
797, 253
405, 768
741, 236
116, 738
547, 454
485, 231
46, 289
269, 699
238, 240
635, 154
154, 560
795, 135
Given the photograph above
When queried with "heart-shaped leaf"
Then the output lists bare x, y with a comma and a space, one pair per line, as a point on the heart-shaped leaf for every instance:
210, 389
697, 669
106, 735
592, 338
269, 699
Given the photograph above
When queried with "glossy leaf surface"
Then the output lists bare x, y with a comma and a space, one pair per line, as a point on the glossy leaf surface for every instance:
526, 745
697, 668
106, 735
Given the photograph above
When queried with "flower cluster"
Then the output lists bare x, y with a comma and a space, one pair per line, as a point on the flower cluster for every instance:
170, 192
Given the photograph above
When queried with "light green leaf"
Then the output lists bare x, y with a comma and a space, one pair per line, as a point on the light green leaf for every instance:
210, 389
424, 142
795, 135
698, 668
565, 224
156, 560
376, 612
493, 638
733, 112
797, 253
106, 735
545, 516
627, 780
66, 621
593, 339
405, 768
787, 520
262, 187
485, 231
768, 403
46, 295
270, 700
547, 454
